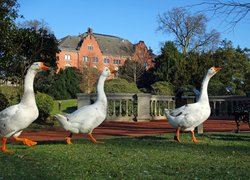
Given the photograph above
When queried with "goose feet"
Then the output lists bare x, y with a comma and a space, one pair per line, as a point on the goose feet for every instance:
194, 138
94, 140
177, 136
3, 148
26, 141
68, 140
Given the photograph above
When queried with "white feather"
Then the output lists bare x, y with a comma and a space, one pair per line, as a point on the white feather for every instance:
87, 118
191, 115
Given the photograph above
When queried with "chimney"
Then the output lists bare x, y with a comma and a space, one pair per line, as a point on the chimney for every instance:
90, 30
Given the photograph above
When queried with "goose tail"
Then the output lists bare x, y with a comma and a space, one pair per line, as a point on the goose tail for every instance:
62, 120
170, 119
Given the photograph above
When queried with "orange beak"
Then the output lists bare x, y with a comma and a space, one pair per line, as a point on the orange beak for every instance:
113, 70
217, 68
44, 67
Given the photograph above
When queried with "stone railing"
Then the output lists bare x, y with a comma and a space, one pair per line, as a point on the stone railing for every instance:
147, 107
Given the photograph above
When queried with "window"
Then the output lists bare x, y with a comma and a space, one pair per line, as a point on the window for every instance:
95, 59
67, 57
106, 60
90, 48
85, 58
116, 61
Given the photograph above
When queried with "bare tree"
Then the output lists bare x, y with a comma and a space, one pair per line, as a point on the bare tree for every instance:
230, 11
36, 24
189, 30
131, 71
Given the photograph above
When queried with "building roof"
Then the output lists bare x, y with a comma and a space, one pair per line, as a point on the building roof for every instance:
109, 45
69, 43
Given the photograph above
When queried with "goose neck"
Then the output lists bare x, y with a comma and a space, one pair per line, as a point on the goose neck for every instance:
28, 96
204, 94
101, 96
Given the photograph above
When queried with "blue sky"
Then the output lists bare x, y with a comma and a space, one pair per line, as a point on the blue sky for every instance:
134, 20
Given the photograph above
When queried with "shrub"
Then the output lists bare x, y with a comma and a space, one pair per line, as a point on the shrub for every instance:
45, 104
63, 85
3, 102
216, 88
162, 88
120, 86
12, 94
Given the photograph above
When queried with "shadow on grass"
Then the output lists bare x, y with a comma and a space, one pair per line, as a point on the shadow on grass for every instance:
164, 143
49, 142
228, 137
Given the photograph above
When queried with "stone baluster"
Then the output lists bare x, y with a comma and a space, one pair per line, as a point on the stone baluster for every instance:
143, 107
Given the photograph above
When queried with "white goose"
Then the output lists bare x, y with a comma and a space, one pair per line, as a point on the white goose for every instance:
87, 118
18, 117
189, 116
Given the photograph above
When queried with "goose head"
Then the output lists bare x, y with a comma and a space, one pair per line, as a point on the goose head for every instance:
212, 71
108, 72
38, 66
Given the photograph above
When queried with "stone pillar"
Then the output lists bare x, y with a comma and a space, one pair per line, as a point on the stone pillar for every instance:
83, 100
143, 104
200, 129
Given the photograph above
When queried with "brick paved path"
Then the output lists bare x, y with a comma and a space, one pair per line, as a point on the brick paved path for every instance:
133, 129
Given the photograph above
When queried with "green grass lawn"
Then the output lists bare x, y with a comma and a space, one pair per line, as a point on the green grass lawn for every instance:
67, 106
220, 156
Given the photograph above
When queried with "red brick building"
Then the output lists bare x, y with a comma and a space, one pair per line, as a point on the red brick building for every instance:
99, 50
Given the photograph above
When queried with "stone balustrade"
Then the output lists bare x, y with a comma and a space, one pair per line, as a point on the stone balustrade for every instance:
147, 107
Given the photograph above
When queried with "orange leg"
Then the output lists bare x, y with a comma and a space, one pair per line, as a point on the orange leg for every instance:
68, 139
194, 138
4, 140
177, 135
26, 141
94, 140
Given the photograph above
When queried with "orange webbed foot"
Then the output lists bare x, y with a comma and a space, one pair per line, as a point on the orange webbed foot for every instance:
177, 139
26, 141
29, 142
6, 150
197, 141
68, 140
94, 140
194, 138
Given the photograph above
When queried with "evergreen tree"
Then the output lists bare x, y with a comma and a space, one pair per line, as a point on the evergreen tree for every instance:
8, 14
65, 84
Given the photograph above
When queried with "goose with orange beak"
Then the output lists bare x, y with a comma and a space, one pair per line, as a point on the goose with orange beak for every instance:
18, 117
87, 118
189, 116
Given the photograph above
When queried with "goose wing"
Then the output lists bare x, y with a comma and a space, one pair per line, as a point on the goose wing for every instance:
184, 110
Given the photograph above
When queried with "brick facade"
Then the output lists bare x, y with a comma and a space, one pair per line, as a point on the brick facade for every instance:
98, 50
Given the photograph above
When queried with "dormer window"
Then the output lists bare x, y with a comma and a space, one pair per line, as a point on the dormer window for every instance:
67, 57
90, 48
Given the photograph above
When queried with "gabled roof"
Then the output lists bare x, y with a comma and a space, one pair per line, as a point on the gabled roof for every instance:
69, 43
109, 45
